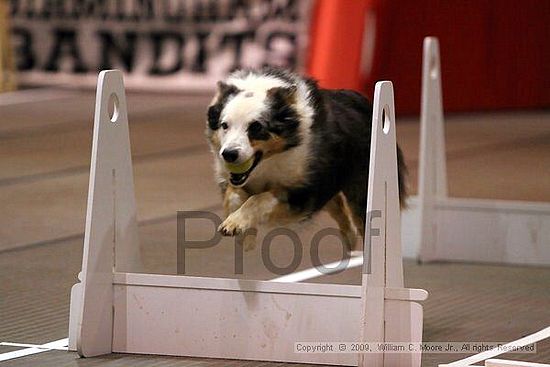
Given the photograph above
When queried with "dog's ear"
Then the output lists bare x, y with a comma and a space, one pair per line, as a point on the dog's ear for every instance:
225, 90
214, 112
284, 119
286, 95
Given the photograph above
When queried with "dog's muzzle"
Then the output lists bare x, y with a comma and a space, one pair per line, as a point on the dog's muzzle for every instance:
239, 179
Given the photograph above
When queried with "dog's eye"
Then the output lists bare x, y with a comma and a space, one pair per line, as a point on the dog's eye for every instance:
224, 125
257, 131
255, 127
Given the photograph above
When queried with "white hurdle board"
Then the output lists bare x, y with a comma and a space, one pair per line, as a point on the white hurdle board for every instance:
445, 228
117, 309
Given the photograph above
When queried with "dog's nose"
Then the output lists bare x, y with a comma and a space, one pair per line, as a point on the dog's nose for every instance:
230, 155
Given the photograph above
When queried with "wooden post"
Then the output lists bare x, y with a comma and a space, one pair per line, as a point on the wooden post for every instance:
432, 166
111, 240
383, 265
466, 229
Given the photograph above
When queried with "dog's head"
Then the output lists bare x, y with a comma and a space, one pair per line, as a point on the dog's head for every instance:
251, 118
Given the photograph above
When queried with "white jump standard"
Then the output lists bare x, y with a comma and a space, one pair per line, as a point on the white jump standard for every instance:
117, 309
440, 227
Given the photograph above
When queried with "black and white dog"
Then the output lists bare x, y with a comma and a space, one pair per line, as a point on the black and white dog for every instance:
285, 149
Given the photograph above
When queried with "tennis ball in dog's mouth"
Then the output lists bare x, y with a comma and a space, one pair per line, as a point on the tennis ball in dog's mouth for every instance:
241, 167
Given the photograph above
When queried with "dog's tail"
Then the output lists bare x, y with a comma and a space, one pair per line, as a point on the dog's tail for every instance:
402, 173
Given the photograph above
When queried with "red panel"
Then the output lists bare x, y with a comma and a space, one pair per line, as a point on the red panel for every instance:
494, 53
336, 41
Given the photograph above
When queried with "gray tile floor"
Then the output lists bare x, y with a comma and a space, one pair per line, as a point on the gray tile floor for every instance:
44, 160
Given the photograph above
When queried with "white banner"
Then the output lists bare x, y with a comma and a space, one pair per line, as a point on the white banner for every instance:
163, 44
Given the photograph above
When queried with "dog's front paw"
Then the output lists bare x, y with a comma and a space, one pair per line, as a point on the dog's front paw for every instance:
235, 224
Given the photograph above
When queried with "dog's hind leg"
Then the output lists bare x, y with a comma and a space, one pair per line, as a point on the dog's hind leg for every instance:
339, 210
233, 199
356, 198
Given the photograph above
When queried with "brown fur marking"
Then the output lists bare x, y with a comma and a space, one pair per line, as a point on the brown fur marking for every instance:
339, 210
274, 145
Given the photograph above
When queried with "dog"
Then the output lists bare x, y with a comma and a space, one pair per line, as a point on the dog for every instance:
285, 149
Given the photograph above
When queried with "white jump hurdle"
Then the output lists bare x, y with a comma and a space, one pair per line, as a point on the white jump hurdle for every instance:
115, 308
461, 229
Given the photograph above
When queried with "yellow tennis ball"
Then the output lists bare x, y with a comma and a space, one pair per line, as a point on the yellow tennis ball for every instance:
241, 167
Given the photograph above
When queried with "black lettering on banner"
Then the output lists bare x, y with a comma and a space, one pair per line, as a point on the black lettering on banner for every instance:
283, 56
236, 41
124, 49
52, 9
150, 36
199, 64
205, 11
30, 10
238, 8
65, 40
285, 10
23, 49
145, 10
160, 41
175, 14
213, 11
14, 8
89, 8
120, 10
